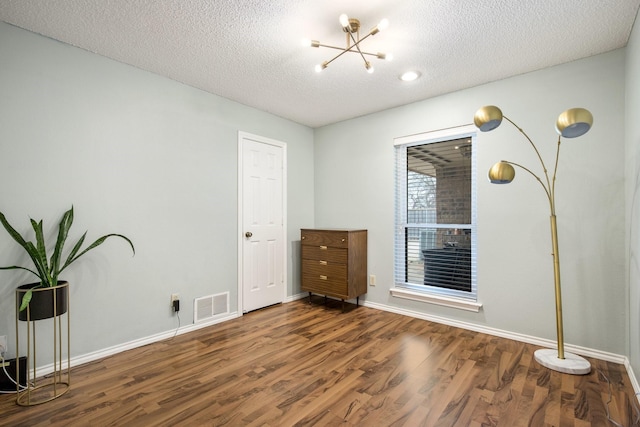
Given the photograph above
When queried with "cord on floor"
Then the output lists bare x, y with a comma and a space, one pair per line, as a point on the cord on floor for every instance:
635, 408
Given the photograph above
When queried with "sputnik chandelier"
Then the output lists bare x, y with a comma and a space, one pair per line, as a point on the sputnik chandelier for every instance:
351, 27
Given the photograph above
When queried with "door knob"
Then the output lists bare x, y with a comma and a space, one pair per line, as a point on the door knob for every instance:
248, 234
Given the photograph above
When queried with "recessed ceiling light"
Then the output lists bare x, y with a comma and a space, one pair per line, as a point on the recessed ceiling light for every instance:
409, 76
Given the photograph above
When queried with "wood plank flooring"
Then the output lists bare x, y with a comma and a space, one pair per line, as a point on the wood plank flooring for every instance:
313, 365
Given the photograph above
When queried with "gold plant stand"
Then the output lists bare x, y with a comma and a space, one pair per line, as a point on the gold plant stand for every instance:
54, 385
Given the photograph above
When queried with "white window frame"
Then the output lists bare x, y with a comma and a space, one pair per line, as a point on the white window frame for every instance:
441, 296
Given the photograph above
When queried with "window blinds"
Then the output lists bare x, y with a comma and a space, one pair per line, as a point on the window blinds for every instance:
435, 242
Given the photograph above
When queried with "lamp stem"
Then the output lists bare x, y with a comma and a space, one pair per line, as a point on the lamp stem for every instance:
556, 276
544, 167
546, 190
553, 184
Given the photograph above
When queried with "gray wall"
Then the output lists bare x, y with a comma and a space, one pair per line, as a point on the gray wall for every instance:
632, 223
136, 154
515, 270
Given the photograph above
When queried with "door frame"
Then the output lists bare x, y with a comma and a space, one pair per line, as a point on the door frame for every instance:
262, 140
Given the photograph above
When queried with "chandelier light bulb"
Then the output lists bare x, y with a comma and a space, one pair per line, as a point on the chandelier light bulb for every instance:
344, 21
310, 43
320, 67
383, 25
368, 67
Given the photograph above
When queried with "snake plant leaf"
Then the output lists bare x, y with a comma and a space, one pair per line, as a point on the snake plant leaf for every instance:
41, 264
26, 299
75, 250
27, 246
17, 267
63, 232
12, 232
72, 256
37, 228
41, 252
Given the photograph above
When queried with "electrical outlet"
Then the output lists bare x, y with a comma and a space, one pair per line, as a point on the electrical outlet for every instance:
3, 344
372, 280
175, 302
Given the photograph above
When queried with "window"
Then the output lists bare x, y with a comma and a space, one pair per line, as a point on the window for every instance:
435, 242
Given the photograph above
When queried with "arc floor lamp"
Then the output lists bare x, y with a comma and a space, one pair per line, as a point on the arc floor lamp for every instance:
572, 123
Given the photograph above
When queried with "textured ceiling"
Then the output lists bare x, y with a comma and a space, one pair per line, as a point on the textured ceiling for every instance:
249, 50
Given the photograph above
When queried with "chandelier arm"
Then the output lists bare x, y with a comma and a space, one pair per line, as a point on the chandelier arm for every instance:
362, 39
336, 57
366, 53
356, 44
546, 190
348, 50
331, 47
548, 187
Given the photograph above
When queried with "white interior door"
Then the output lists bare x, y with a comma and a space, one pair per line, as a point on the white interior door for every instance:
262, 259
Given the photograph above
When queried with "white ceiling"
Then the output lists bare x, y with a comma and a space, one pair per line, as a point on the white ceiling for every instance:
249, 50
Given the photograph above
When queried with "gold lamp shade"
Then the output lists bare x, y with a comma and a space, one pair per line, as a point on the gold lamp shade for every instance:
488, 118
501, 173
574, 122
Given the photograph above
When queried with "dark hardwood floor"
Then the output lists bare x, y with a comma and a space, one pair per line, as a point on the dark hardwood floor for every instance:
299, 365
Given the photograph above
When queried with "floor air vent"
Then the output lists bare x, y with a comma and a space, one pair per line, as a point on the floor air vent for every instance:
210, 307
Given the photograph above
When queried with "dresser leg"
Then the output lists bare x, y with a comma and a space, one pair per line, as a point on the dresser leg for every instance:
309, 298
343, 306
357, 301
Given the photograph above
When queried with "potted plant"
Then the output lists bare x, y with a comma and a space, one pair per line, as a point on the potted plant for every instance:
48, 270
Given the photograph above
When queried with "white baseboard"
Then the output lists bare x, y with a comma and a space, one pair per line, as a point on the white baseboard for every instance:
296, 297
95, 355
603, 355
632, 377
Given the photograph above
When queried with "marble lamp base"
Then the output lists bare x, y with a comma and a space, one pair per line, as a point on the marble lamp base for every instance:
571, 364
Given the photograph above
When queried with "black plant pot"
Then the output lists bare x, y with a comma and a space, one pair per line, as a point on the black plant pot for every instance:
45, 302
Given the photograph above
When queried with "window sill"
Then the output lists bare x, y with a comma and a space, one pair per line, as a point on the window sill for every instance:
459, 303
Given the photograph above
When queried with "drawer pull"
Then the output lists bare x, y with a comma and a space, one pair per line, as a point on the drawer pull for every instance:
324, 248
343, 240
323, 262
302, 237
323, 277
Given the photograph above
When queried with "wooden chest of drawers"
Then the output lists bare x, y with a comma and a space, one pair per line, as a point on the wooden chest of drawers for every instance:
334, 262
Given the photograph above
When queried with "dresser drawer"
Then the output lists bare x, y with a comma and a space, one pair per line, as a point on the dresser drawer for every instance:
329, 271
325, 253
333, 238
328, 286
